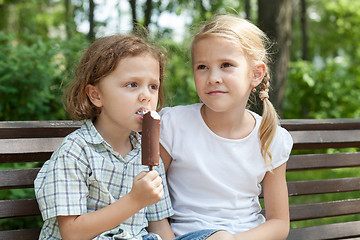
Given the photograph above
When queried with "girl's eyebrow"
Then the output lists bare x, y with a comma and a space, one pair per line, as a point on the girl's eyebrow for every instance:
199, 60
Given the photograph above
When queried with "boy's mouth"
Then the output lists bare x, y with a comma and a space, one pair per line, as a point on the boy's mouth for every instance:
142, 111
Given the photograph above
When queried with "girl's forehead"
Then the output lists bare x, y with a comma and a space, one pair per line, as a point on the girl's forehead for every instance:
218, 41
219, 47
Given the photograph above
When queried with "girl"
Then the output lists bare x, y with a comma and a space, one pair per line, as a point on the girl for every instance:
217, 153
94, 186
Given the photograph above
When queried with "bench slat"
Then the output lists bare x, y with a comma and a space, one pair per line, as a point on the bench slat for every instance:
29, 145
320, 124
309, 187
329, 231
323, 161
299, 188
37, 129
18, 178
18, 208
61, 128
325, 209
326, 139
21, 234
24, 157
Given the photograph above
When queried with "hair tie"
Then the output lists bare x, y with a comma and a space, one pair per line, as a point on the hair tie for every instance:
263, 94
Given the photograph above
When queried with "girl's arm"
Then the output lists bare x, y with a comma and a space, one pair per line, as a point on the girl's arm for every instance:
162, 228
147, 189
277, 208
165, 156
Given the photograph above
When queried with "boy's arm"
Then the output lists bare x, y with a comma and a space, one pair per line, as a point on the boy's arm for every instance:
147, 190
162, 228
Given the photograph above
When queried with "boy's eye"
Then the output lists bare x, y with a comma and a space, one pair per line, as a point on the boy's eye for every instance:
226, 65
200, 67
154, 86
131, 85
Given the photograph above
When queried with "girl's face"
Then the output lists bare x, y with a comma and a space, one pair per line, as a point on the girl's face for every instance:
129, 90
222, 74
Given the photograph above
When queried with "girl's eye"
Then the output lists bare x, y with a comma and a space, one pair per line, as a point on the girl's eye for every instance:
200, 67
154, 86
131, 85
226, 65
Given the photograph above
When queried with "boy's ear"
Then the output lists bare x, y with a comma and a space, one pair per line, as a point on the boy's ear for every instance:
93, 93
258, 73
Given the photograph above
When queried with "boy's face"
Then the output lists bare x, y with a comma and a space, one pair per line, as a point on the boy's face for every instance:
131, 88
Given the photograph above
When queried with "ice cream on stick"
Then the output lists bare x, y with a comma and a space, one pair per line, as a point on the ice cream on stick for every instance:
150, 151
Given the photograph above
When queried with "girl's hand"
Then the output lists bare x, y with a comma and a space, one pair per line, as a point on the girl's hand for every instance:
147, 188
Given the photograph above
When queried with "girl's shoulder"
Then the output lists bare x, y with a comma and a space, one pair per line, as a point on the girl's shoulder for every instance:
282, 138
180, 111
281, 132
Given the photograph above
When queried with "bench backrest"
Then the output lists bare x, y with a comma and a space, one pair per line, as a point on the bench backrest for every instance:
21, 143
34, 141
305, 166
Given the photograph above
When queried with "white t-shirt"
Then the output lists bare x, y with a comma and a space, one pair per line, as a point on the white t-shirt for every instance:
214, 182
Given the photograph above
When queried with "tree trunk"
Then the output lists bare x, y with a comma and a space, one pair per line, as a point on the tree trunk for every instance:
202, 10
133, 14
3, 16
148, 12
68, 18
13, 19
248, 9
275, 20
304, 29
91, 35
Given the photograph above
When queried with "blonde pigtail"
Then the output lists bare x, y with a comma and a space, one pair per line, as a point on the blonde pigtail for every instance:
269, 121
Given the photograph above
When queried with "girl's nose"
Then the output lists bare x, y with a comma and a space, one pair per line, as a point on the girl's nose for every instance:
214, 77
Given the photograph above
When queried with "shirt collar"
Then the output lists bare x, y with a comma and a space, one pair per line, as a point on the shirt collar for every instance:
92, 136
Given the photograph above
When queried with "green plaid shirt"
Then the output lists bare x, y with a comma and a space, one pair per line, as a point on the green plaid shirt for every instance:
85, 174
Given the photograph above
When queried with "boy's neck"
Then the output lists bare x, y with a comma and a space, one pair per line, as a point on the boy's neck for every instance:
119, 139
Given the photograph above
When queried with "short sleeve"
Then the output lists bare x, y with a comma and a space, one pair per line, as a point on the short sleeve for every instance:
281, 147
166, 130
60, 186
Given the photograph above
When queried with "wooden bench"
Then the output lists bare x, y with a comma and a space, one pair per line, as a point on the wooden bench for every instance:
33, 142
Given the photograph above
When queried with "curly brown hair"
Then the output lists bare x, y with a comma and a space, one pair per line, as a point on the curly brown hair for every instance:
98, 61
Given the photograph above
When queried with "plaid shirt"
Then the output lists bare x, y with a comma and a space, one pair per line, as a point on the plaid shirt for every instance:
85, 174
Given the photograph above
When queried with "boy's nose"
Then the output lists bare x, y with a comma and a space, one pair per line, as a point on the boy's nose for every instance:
144, 95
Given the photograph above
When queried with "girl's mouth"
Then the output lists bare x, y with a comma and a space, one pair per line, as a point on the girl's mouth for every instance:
215, 93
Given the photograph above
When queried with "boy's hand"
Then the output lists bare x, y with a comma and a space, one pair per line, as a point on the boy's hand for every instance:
147, 188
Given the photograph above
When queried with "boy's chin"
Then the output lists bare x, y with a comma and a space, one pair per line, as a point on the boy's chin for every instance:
137, 129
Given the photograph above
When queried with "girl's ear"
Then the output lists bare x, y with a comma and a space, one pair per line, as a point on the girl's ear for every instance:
258, 74
94, 95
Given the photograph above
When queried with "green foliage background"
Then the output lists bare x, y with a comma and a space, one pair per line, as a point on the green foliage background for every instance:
32, 77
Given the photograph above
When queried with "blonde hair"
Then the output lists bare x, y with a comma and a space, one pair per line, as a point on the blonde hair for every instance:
253, 43
98, 61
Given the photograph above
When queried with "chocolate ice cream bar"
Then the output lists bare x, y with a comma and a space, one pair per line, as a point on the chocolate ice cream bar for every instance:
150, 151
